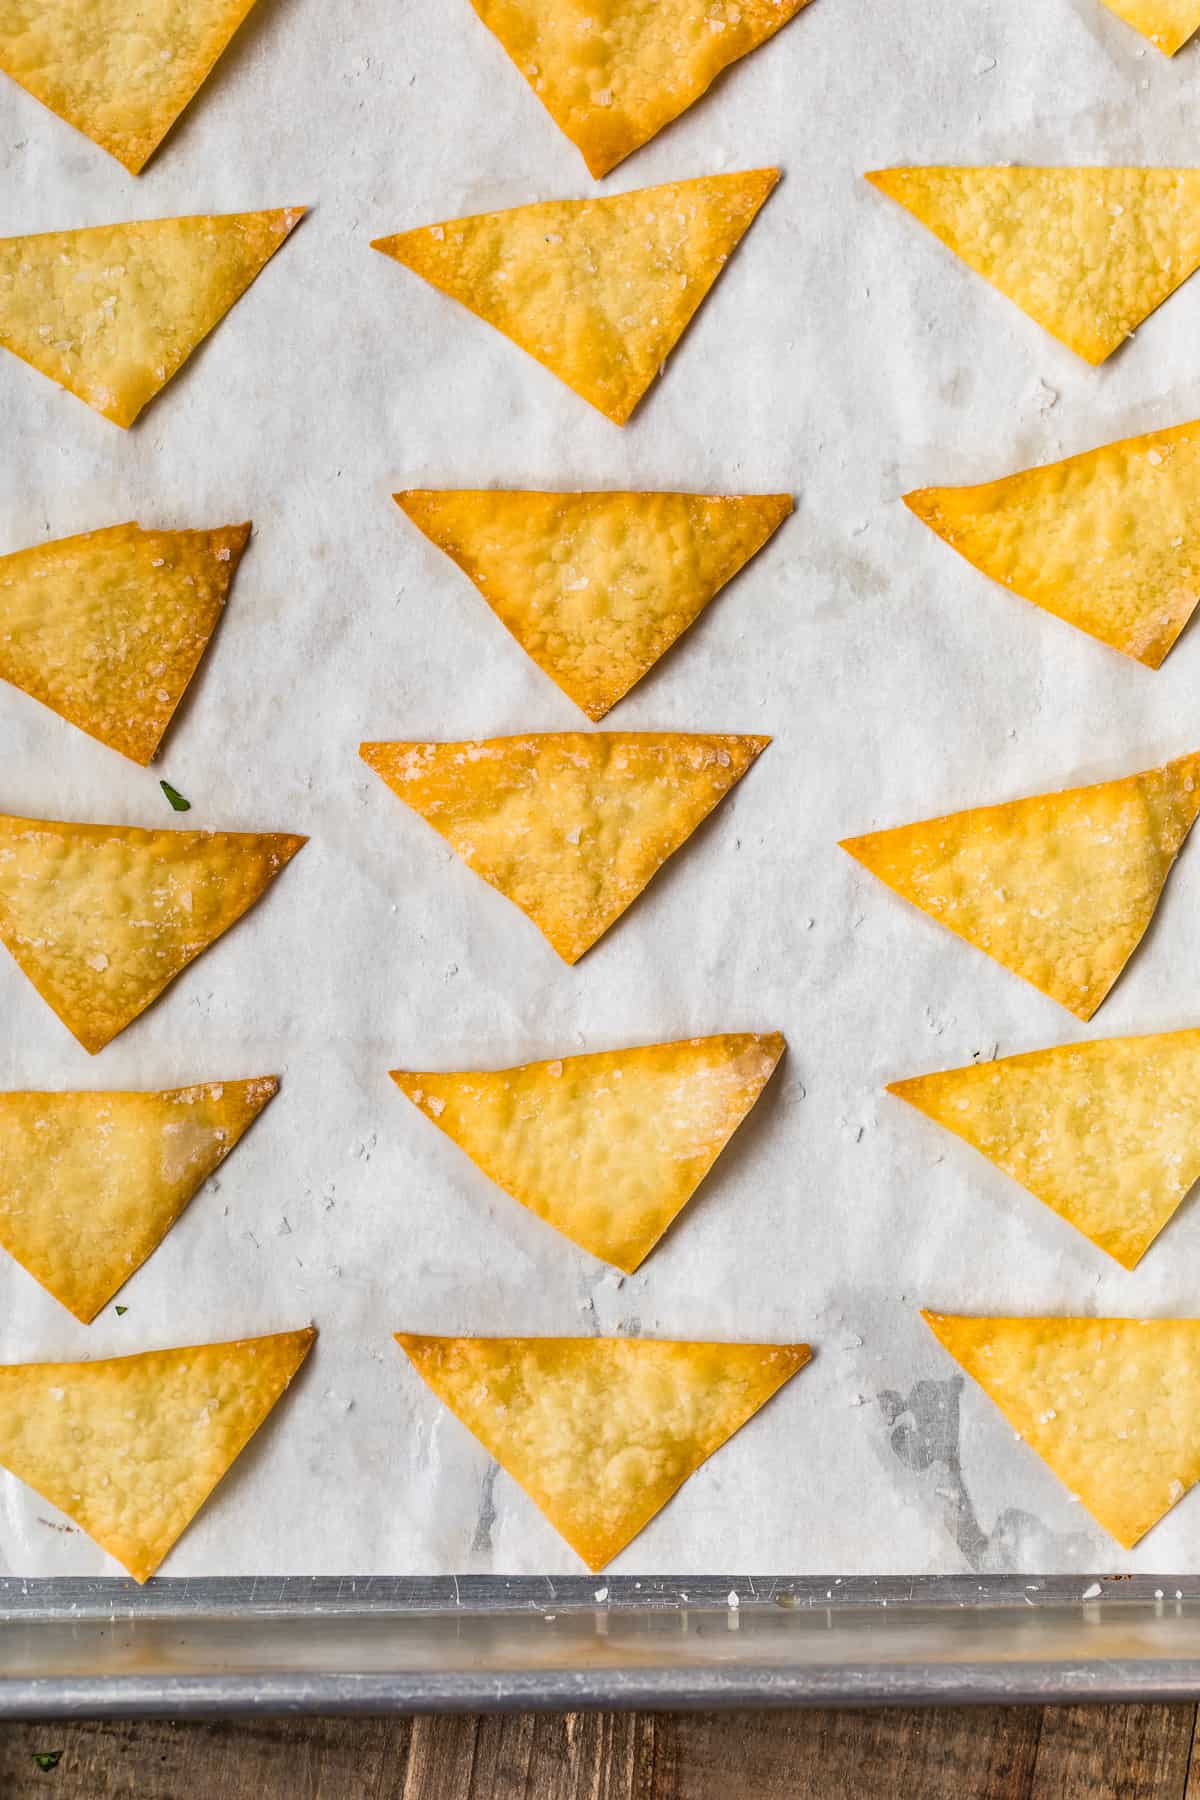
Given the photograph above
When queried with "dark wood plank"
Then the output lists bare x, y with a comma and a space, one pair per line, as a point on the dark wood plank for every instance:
1113, 1753
261, 1759
1065, 1753
936, 1753
441, 1757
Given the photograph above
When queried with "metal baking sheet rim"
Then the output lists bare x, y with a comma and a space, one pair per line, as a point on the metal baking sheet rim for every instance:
91, 1648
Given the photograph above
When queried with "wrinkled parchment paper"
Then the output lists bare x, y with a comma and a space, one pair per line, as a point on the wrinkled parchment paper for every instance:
844, 355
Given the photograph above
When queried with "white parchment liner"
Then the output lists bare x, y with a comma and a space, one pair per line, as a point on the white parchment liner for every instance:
844, 355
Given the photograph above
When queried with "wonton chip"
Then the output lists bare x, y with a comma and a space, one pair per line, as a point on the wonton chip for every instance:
606, 1148
600, 1432
131, 1448
109, 627
598, 291
596, 587
1087, 253
112, 312
121, 71
1058, 888
613, 74
569, 826
1106, 540
1167, 23
91, 1183
102, 918
1111, 1405
1106, 1133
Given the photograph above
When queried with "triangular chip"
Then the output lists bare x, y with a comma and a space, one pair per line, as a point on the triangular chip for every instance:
1167, 23
90, 1183
600, 1432
596, 587
606, 1148
611, 77
103, 917
112, 312
1106, 1133
570, 826
131, 1448
108, 628
598, 291
121, 71
1087, 253
1111, 1405
1058, 888
1106, 540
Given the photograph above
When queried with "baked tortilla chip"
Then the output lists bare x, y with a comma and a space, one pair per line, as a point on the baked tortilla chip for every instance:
91, 1183
569, 826
612, 75
598, 291
1167, 23
1106, 1133
108, 628
102, 918
600, 1432
596, 587
1111, 1405
1058, 888
1106, 540
1087, 253
121, 71
131, 1448
606, 1148
112, 312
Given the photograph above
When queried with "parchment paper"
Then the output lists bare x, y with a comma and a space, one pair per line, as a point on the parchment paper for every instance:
843, 355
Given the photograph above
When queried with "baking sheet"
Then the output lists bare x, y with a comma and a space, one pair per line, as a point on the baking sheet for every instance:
843, 355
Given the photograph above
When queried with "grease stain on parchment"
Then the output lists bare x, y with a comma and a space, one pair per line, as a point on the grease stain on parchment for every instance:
923, 1434
481, 1542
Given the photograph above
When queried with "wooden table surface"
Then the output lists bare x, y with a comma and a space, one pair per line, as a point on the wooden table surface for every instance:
986, 1753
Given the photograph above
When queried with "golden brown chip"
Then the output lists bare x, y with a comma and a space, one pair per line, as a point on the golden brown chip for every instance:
596, 587
111, 313
600, 1432
1106, 540
1106, 1133
131, 1448
569, 826
598, 291
1087, 253
606, 1148
90, 1183
1167, 23
103, 917
121, 71
1111, 1405
1058, 888
109, 627
611, 74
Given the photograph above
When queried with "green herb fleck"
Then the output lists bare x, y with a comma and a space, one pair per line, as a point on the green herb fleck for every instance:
121, 1311
175, 797
47, 1760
